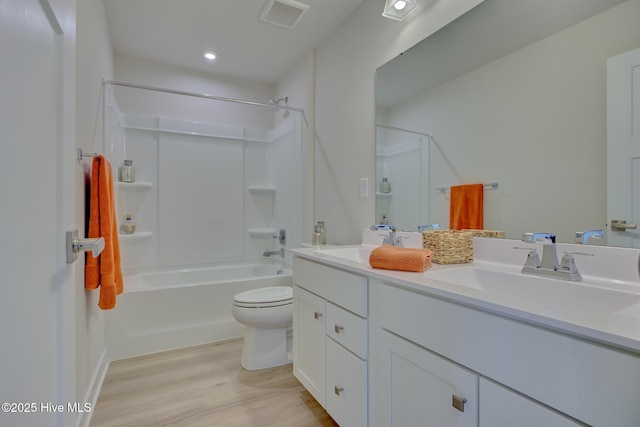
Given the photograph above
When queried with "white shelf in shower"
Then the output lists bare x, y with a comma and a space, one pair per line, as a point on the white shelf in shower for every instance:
139, 185
383, 195
262, 232
136, 237
262, 189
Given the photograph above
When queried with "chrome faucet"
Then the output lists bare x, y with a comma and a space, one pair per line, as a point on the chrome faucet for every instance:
549, 266
282, 238
549, 254
582, 237
391, 238
278, 252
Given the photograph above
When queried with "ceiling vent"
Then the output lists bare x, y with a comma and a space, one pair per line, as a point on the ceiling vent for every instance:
283, 13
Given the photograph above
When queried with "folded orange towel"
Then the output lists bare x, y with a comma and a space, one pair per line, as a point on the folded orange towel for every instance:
404, 259
466, 208
105, 270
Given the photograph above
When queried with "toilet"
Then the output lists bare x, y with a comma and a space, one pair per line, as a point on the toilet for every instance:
268, 315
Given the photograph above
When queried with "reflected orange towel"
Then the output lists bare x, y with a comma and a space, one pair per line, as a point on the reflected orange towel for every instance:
104, 271
404, 259
466, 209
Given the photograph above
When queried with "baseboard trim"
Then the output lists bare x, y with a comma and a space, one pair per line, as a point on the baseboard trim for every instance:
93, 391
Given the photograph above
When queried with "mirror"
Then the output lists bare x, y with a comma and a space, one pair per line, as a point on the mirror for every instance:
514, 93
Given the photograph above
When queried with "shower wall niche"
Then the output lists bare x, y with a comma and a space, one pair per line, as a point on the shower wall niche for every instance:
205, 193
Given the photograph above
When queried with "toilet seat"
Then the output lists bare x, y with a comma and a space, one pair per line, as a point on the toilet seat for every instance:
274, 296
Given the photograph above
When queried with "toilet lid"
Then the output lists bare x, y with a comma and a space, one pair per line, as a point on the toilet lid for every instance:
265, 295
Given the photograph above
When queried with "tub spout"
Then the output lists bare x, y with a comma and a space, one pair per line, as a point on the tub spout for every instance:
269, 253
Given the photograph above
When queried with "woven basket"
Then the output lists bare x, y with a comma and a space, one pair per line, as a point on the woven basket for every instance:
449, 246
498, 234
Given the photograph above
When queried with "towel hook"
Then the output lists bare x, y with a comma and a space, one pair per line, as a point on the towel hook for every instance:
75, 245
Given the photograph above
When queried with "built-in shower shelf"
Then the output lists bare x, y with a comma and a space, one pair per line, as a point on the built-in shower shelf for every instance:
136, 237
142, 185
383, 195
262, 189
262, 232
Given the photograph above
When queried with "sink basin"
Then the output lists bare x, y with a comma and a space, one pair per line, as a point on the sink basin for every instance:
354, 253
552, 295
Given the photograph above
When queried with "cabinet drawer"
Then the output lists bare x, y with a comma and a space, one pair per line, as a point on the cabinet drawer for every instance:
345, 289
346, 386
347, 329
502, 407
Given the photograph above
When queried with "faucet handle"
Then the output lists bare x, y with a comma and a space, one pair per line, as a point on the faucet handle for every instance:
568, 263
533, 259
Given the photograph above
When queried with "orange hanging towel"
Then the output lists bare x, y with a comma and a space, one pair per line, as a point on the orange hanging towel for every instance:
466, 209
105, 271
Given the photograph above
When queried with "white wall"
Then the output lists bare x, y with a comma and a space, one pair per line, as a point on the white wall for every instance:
345, 111
148, 103
93, 63
297, 84
535, 121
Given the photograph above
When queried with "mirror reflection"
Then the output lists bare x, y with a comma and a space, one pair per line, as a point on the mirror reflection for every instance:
513, 92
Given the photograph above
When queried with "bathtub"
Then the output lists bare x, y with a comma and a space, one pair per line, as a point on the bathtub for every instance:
168, 309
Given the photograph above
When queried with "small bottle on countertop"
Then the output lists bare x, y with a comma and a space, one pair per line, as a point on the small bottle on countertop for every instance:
127, 173
316, 238
323, 233
128, 226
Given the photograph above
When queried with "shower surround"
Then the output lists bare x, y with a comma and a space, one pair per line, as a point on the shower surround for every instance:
206, 196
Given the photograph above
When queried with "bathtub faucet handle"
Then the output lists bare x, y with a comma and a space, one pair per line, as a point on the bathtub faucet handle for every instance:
282, 236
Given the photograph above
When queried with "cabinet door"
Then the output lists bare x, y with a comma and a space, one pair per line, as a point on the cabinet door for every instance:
500, 406
309, 342
346, 386
419, 388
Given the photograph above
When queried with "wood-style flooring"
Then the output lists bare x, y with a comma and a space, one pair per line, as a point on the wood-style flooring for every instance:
203, 386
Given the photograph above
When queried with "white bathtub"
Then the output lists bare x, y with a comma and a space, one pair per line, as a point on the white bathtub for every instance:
163, 310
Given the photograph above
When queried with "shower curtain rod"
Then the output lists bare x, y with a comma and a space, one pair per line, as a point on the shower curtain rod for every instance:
200, 95
405, 130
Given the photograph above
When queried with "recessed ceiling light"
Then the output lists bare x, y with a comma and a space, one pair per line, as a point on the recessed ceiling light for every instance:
398, 9
209, 55
400, 4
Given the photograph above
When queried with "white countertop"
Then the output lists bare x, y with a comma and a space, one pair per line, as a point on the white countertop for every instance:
617, 326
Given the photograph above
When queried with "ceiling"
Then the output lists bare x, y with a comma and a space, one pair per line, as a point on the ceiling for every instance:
176, 32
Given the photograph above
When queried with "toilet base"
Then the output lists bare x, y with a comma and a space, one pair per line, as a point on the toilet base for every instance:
266, 348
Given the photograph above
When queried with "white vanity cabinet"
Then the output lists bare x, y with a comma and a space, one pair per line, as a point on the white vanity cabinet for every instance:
511, 373
330, 339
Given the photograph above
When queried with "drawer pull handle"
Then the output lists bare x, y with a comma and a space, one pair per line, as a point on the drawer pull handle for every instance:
337, 390
458, 402
338, 328
317, 314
